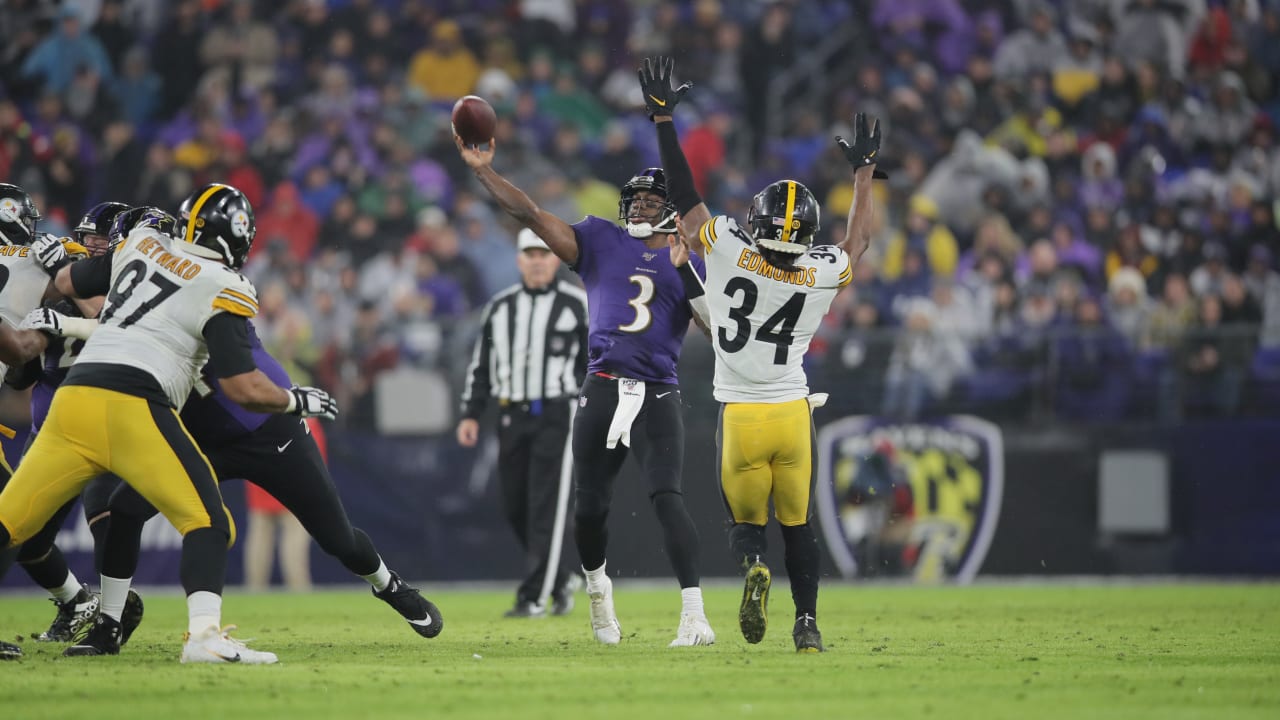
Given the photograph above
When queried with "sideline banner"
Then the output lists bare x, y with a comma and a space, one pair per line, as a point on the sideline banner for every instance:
917, 499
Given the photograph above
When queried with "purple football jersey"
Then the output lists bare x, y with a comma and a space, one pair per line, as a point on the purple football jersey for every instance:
215, 418
638, 310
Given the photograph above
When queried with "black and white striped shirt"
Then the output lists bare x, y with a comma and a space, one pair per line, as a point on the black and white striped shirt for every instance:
532, 346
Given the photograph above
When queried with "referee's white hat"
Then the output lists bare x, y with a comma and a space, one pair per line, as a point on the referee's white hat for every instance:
529, 240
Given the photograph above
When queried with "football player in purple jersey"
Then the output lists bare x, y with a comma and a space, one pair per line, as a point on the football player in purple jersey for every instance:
638, 315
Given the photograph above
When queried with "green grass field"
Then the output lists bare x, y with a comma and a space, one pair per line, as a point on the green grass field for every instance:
1039, 651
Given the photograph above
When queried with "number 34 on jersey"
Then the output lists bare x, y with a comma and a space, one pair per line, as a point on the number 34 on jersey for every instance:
764, 316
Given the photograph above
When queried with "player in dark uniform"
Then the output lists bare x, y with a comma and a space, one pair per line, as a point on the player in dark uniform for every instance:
277, 453
638, 317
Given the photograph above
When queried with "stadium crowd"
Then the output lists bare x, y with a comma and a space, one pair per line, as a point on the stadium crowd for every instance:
1080, 221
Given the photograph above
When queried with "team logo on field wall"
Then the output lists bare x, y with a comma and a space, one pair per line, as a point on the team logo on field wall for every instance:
916, 500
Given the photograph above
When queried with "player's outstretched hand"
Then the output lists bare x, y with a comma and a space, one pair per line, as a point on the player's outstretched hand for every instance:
476, 156
50, 253
679, 251
865, 148
655, 82
311, 402
45, 320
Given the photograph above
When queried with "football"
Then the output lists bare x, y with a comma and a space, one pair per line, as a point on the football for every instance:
474, 120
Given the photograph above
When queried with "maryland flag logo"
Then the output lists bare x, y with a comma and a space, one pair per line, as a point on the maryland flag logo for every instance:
918, 500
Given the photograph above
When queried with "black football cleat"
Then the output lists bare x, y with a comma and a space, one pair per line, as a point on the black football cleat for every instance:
131, 618
9, 651
74, 618
806, 635
103, 639
753, 616
421, 614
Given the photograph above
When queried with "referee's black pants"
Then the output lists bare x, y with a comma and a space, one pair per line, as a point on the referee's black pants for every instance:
531, 448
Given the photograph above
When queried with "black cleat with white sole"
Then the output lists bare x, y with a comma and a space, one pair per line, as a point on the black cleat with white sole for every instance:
9, 651
74, 618
421, 614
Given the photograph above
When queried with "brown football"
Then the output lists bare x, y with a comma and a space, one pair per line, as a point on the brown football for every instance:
474, 120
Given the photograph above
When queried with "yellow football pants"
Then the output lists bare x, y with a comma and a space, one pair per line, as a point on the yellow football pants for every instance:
766, 450
90, 431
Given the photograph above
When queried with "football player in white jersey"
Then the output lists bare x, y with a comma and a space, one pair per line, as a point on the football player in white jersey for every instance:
174, 300
767, 288
23, 282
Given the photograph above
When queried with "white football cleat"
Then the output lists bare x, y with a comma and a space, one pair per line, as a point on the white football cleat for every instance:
604, 621
217, 646
693, 630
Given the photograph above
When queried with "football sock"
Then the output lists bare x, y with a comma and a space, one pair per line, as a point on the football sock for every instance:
802, 566
591, 536
204, 610
114, 592
595, 578
68, 590
748, 543
691, 602
379, 578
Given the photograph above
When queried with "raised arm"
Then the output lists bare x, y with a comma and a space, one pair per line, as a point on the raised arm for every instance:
660, 100
555, 232
861, 154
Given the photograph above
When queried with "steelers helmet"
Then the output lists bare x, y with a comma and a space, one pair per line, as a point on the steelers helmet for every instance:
18, 216
784, 217
652, 180
218, 221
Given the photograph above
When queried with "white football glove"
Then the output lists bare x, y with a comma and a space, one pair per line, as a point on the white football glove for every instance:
49, 252
46, 320
311, 402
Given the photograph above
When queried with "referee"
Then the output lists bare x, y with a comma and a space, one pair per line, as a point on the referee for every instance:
531, 355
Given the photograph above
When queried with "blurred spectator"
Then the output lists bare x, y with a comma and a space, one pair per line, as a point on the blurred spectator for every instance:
176, 56
446, 69
927, 359
924, 233
1213, 362
113, 32
289, 221
1127, 305
57, 59
1092, 358
1034, 49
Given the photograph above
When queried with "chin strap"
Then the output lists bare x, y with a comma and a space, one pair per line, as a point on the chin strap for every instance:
644, 230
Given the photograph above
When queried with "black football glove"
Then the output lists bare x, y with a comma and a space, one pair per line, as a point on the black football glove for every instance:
311, 402
655, 82
865, 146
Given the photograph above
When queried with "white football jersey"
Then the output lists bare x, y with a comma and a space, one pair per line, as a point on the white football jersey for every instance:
22, 285
762, 317
161, 297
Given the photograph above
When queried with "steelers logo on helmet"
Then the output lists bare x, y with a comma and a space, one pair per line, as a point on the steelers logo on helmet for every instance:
10, 210
217, 220
240, 224
18, 215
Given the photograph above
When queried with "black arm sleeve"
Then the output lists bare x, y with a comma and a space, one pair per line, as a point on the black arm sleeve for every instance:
680, 189
91, 277
230, 353
693, 287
